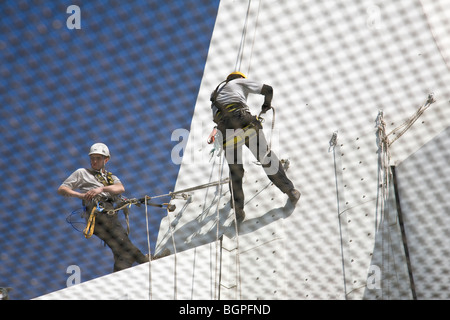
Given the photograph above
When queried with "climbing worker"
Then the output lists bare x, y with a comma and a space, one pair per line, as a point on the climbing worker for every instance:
231, 114
99, 190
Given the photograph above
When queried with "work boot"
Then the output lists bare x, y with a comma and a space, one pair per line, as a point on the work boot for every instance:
294, 196
240, 215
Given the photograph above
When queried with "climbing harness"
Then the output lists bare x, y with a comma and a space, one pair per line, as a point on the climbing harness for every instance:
99, 208
89, 230
240, 135
123, 205
106, 179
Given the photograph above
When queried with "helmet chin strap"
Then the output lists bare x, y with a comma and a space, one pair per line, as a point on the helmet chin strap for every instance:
103, 168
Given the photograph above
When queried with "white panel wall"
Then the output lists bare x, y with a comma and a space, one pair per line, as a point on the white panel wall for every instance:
189, 275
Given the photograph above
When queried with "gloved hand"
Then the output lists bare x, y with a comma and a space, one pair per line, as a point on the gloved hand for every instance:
265, 108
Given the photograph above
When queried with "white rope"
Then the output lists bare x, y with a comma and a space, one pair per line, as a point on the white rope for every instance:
427, 19
217, 277
238, 264
242, 44
243, 39
237, 67
400, 130
385, 172
149, 252
254, 37
384, 178
384, 158
182, 192
221, 163
175, 256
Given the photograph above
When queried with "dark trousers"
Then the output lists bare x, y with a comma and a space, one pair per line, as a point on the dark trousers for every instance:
255, 140
109, 229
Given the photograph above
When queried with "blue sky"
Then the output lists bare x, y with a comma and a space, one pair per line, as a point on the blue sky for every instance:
128, 78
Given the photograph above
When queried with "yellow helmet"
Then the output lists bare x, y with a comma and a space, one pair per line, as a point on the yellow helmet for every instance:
234, 75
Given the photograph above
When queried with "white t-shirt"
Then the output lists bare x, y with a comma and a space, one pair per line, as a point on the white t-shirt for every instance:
84, 181
236, 91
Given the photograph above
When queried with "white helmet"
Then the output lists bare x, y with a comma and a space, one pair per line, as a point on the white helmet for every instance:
100, 148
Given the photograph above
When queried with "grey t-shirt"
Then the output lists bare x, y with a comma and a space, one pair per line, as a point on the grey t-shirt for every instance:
236, 91
84, 181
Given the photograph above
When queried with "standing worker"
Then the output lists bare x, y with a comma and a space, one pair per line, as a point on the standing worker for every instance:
231, 113
99, 190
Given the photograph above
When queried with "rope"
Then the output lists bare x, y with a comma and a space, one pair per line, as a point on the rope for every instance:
202, 186
175, 255
244, 36
74, 219
339, 197
149, 252
384, 157
427, 19
217, 275
237, 265
385, 174
254, 37
238, 67
400, 130
242, 44
384, 169
384, 182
